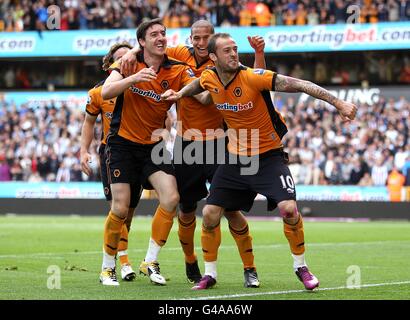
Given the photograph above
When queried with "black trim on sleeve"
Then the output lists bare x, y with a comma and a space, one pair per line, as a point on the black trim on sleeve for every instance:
99, 84
92, 114
274, 81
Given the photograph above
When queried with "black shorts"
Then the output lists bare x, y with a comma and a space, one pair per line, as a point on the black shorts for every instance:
195, 163
133, 163
136, 190
232, 190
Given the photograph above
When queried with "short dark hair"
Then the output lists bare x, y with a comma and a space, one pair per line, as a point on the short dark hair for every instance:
214, 38
203, 23
144, 26
108, 59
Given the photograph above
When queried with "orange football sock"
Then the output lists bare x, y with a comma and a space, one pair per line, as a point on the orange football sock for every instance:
244, 242
211, 240
161, 225
123, 245
112, 233
295, 235
186, 233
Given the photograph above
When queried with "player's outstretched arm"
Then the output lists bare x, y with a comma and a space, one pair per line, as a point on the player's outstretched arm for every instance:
117, 84
258, 44
346, 109
87, 135
192, 89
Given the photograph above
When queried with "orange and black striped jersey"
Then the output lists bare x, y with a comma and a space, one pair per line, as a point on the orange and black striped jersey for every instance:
96, 105
245, 103
139, 110
195, 118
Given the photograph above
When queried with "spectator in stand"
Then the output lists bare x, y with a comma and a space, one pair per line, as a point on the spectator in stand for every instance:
395, 182
301, 15
393, 9
356, 173
263, 15
366, 181
379, 172
37, 139
340, 12
100, 14
4, 169
16, 170
404, 6
289, 17
312, 17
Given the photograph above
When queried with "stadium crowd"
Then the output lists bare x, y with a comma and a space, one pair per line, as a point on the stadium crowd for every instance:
42, 143
19, 15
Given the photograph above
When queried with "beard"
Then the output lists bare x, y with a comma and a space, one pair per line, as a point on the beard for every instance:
231, 67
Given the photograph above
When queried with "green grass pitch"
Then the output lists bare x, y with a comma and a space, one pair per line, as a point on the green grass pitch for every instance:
375, 255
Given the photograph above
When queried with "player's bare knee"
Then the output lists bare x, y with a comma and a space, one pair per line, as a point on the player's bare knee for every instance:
235, 219
170, 201
288, 209
210, 222
119, 209
211, 217
186, 217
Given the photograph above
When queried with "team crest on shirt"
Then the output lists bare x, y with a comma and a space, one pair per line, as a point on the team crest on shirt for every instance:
117, 173
164, 84
237, 92
259, 71
106, 191
108, 115
88, 99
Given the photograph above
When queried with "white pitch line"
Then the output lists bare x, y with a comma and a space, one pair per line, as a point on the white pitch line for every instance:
267, 246
241, 295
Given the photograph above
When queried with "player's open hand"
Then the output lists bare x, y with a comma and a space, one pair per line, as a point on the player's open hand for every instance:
257, 43
128, 62
144, 75
170, 95
85, 161
346, 110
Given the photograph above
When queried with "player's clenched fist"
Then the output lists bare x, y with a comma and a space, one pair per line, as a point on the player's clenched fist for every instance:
257, 43
144, 75
346, 110
128, 62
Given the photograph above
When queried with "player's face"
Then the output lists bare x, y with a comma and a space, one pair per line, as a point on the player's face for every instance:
119, 53
227, 54
199, 39
155, 42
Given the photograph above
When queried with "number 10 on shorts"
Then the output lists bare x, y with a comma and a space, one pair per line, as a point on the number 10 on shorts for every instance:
287, 182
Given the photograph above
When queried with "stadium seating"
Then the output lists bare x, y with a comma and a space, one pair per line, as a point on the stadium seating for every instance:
108, 14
